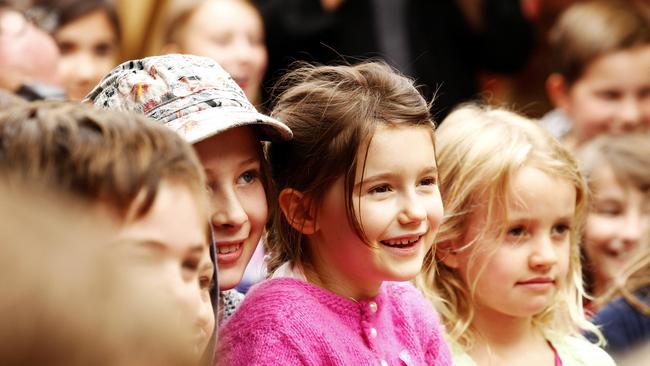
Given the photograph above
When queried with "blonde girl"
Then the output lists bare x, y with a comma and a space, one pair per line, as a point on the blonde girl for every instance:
509, 276
360, 208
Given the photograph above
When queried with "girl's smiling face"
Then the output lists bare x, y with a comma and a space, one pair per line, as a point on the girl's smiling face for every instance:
617, 224
232, 161
398, 206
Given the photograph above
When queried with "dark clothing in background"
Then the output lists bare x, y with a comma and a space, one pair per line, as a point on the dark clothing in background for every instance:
443, 53
623, 325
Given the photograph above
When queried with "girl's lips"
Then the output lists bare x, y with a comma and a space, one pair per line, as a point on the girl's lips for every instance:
538, 283
229, 252
407, 249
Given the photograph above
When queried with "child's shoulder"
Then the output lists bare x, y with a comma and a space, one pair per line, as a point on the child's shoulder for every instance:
578, 351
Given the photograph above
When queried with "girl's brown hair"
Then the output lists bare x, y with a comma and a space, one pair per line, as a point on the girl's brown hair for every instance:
590, 29
332, 111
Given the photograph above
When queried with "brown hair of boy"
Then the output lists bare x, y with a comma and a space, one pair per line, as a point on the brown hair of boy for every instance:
114, 158
332, 111
590, 29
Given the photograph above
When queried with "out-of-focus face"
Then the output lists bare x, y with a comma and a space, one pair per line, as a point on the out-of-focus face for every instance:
27, 54
89, 50
613, 95
166, 247
205, 320
230, 32
617, 226
232, 164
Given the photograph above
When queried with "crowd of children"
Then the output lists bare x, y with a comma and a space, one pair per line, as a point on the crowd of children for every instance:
486, 238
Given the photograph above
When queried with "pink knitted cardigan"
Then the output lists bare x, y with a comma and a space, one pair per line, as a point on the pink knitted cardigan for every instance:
286, 321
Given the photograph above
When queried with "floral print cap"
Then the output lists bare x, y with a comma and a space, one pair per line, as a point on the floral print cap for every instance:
192, 95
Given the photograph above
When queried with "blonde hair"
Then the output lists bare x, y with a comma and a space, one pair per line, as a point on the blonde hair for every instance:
332, 111
479, 150
635, 276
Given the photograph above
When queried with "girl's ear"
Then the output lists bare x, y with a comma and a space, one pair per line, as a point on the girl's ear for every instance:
446, 253
298, 211
558, 91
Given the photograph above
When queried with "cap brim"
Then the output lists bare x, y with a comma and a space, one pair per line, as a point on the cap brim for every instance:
200, 125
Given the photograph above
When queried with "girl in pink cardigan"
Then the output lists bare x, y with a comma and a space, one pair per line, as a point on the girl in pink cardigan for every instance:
359, 208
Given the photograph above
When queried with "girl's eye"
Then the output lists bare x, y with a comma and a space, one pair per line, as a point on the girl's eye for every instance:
248, 177
67, 47
516, 231
608, 210
429, 181
103, 49
379, 189
561, 229
609, 94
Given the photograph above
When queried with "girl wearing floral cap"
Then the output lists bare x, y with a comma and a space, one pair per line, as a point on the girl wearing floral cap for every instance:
195, 97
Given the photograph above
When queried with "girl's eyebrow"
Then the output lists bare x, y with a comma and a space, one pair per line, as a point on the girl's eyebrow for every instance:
385, 175
251, 161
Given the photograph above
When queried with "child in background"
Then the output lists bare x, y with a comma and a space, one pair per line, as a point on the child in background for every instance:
195, 97
617, 169
355, 216
509, 277
601, 77
139, 177
229, 31
88, 35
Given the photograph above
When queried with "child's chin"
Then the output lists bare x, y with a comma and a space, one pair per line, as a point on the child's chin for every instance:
228, 281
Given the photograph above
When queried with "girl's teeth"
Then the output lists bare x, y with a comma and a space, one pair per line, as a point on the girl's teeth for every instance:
401, 242
228, 248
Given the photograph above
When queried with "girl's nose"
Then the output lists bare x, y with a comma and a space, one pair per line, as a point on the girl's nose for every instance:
413, 211
544, 255
228, 211
630, 115
630, 231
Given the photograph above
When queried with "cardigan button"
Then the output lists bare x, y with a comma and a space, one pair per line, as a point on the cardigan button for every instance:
373, 306
373, 333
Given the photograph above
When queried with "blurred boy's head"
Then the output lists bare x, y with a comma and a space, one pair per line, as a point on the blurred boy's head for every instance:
68, 299
142, 178
601, 74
